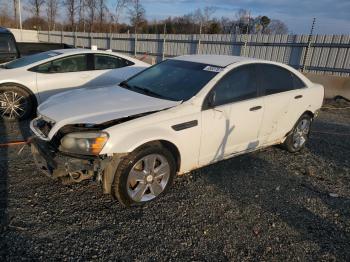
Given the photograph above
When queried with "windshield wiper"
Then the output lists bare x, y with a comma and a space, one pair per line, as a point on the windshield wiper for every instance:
142, 90
146, 91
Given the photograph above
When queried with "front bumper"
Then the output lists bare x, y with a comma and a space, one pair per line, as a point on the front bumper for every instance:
55, 164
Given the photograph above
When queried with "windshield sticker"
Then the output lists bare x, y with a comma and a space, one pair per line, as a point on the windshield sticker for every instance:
52, 54
213, 69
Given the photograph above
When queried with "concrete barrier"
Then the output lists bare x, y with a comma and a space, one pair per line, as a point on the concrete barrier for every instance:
333, 85
25, 35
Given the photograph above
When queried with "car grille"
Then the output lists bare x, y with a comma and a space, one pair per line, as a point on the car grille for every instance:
43, 126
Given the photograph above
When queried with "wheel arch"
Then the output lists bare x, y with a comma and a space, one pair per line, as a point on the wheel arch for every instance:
30, 92
309, 113
169, 146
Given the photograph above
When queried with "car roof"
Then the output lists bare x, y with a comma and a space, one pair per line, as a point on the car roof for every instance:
81, 50
5, 30
216, 60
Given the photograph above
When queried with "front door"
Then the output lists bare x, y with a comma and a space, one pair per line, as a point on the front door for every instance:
232, 119
63, 74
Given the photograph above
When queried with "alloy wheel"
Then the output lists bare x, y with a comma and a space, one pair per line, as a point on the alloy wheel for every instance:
12, 105
301, 133
148, 178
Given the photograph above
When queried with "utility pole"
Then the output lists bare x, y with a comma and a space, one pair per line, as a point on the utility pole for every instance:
20, 18
306, 56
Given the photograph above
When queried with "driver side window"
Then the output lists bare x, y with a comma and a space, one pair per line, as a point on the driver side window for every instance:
237, 85
75, 63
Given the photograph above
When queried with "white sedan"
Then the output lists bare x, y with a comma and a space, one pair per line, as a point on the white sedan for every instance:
176, 116
28, 81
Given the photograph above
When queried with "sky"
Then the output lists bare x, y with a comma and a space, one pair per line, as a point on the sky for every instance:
332, 16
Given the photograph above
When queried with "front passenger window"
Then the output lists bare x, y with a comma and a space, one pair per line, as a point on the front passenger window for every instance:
75, 63
237, 85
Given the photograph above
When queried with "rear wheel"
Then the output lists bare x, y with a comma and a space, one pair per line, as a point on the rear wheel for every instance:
15, 103
144, 175
297, 139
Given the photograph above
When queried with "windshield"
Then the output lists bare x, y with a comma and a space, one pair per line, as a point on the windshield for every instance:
173, 79
27, 60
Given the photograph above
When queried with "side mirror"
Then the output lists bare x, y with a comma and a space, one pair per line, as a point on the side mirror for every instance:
211, 99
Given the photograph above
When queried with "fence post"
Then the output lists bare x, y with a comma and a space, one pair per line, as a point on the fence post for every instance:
91, 38
199, 40
110, 39
48, 35
62, 40
75, 39
135, 51
164, 36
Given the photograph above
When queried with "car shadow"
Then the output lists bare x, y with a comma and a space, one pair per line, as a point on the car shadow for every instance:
268, 186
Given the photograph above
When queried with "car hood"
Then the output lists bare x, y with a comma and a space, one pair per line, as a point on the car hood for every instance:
96, 106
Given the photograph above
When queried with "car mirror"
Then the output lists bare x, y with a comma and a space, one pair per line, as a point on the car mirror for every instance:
211, 99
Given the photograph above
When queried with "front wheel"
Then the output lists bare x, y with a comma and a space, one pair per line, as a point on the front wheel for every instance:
297, 139
15, 103
144, 175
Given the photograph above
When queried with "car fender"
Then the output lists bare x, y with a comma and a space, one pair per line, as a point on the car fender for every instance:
127, 138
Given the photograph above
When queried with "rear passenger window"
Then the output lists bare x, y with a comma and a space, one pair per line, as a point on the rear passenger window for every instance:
274, 79
297, 82
237, 85
103, 62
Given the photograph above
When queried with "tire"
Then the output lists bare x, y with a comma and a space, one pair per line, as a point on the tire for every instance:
16, 103
136, 182
298, 137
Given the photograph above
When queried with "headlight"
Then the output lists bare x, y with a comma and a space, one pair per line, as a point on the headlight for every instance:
86, 143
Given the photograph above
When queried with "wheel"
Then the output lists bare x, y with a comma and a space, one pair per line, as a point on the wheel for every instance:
15, 103
144, 175
297, 139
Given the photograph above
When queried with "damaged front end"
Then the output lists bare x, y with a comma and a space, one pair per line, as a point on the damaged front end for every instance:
65, 167
72, 155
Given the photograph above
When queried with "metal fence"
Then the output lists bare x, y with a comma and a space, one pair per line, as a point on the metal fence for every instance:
327, 53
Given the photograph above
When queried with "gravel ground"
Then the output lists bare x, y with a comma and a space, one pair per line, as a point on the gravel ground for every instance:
268, 205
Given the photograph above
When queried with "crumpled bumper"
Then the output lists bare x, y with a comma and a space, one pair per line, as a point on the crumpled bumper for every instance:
54, 164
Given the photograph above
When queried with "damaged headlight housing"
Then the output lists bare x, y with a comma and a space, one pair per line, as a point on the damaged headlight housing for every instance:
84, 143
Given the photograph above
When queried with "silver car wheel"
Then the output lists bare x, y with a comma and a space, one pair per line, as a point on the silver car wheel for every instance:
12, 105
301, 133
148, 178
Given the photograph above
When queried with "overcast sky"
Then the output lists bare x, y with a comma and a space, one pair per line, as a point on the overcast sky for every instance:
332, 16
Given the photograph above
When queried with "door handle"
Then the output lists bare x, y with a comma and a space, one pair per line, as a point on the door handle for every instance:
255, 108
298, 97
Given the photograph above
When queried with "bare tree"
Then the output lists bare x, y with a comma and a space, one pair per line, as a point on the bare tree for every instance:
136, 14
91, 8
119, 8
277, 27
102, 10
81, 18
35, 7
15, 11
71, 6
51, 12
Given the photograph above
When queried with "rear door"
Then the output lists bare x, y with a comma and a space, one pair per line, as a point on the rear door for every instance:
111, 70
277, 86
